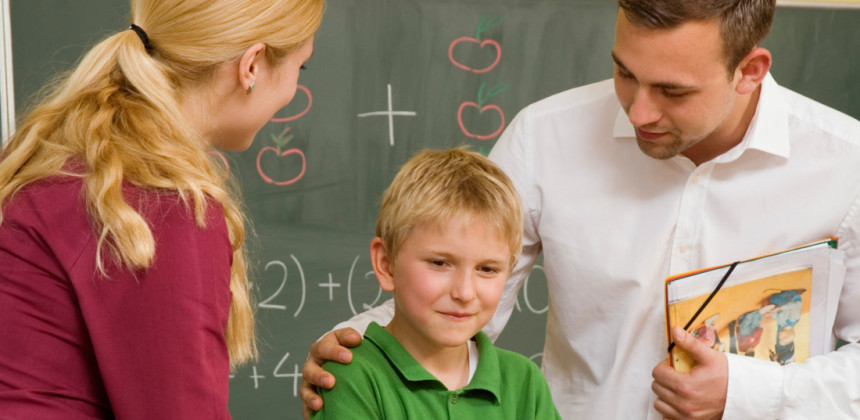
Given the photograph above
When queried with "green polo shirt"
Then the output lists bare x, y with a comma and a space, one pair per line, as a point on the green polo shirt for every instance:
384, 381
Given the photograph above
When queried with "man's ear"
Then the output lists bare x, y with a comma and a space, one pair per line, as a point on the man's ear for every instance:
753, 69
250, 65
382, 266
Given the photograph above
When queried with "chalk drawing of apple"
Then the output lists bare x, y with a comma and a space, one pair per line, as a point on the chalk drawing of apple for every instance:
481, 109
482, 44
300, 114
484, 25
483, 96
280, 141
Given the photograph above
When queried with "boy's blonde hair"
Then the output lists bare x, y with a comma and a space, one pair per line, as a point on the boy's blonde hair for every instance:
437, 185
116, 118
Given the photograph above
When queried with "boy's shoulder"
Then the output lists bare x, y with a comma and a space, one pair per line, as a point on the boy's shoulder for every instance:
515, 379
510, 363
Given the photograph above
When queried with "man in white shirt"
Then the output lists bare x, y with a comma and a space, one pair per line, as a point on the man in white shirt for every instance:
691, 157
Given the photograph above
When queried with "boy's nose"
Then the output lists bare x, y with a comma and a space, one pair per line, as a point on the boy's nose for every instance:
463, 287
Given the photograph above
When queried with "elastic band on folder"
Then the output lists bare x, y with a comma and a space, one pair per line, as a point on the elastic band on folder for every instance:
708, 300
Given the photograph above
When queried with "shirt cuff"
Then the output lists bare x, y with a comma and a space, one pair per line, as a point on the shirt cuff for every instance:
754, 389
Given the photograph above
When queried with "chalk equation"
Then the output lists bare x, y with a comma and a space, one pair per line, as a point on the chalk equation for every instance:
366, 281
288, 281
256, 376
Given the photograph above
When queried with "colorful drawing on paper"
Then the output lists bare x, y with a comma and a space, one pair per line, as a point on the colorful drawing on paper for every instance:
767, 319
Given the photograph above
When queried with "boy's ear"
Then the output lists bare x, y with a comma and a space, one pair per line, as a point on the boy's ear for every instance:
753, 69
381, 264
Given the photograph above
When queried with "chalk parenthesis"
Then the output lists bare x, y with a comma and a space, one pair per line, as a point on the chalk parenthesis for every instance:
284, 153
482, 109
482, 44
300, 114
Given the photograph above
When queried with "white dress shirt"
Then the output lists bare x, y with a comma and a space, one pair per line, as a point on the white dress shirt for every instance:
613, 223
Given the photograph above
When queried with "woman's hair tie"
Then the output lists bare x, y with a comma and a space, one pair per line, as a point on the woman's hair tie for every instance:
143, 37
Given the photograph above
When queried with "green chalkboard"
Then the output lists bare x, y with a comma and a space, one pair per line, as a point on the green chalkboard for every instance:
388, 78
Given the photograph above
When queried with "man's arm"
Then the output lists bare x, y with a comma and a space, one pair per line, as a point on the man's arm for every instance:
335, 346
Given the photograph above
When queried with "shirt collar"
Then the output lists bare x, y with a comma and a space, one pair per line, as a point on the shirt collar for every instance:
487, 376
768, 130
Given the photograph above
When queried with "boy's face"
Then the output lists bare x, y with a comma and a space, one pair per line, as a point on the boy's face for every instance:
447, 281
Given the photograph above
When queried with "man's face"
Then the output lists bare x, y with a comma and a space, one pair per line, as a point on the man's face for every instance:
674, 87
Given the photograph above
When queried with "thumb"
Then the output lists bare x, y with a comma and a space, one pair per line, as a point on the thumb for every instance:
700, 352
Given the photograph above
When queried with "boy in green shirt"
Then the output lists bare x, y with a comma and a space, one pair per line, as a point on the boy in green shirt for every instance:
449, 232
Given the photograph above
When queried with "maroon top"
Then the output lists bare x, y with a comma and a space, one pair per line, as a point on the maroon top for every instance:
76, 345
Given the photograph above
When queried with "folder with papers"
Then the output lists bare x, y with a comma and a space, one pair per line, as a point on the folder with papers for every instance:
779, 307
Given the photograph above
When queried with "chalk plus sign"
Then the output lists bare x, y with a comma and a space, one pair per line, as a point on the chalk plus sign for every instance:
256, 378
390, 113
331, 285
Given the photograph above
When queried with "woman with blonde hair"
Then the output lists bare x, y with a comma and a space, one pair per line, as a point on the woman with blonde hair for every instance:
123, 288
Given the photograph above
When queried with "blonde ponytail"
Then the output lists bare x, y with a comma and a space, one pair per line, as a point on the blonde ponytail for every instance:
116, 118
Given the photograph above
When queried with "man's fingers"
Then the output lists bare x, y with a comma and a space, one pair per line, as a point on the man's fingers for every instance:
312, 401
348, 337
666, 410
700, 352
307, 410
314, 375
664, 374
333, 346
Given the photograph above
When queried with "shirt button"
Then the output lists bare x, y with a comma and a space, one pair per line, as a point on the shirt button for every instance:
683, 249
454, 398
695, 179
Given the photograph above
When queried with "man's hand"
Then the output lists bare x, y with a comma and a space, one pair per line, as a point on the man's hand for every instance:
333, 346
700, 394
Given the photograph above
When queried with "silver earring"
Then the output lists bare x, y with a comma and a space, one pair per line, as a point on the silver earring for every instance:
250, 88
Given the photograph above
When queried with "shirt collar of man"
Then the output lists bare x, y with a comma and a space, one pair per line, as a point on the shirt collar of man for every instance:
487, 376
768, 130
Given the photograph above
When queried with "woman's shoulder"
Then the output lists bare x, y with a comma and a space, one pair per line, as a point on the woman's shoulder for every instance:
46, 204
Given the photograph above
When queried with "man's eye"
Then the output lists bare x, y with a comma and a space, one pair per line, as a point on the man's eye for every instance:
623, 74
674, 95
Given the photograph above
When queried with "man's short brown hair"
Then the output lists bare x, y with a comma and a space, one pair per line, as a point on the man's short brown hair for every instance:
744, 23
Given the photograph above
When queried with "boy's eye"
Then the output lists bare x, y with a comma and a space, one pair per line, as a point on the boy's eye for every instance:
437, 263
488, 270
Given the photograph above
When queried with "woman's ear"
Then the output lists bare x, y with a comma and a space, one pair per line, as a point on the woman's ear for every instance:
382, 266
753, 69
250, 66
